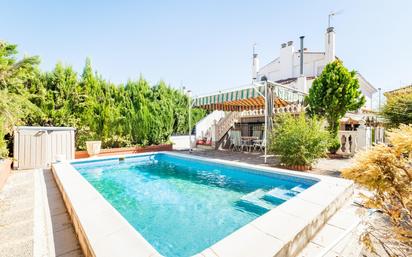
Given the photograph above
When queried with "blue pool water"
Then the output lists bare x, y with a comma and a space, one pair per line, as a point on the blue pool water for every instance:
181, 205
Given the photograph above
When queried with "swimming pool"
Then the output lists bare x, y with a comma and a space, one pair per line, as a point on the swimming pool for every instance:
182, 205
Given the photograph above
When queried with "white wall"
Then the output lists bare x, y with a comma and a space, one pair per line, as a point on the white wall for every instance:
206, 123
313, 64
182, 142
288, 63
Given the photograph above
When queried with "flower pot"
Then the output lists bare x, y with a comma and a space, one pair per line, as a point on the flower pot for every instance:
93, 147
298, 167
5, 168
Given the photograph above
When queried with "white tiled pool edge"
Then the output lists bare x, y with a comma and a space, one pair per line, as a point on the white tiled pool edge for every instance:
283, 231
101, 229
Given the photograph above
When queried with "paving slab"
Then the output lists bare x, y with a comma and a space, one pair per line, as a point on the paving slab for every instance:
18, 222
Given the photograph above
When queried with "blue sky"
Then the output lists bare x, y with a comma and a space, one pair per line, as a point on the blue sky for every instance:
207, 45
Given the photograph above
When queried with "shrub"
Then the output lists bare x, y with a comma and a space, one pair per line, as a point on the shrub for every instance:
334, 145
298, 141
3, 144
398, 109
386, 171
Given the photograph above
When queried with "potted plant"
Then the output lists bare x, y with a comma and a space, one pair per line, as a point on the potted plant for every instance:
334, 145
93, 147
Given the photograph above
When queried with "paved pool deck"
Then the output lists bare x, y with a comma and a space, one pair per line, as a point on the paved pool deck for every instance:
33, 218
328, 167
26, 232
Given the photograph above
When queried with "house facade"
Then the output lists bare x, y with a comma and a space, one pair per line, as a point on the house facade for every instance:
290, 76
286, 69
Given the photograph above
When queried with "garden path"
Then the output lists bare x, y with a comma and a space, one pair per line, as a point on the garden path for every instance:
33, 218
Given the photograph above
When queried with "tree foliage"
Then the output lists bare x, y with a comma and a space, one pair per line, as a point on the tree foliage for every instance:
298, 140
14, 77
386, 171
134, 113
333, 94
398, 109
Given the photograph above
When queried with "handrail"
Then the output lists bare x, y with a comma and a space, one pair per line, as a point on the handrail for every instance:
225, 124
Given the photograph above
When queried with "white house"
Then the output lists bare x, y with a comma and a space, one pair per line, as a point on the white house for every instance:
286, 69
242, 109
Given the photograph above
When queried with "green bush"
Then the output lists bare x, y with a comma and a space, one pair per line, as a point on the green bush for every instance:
334, 145
398, 109
3, 144
298, 140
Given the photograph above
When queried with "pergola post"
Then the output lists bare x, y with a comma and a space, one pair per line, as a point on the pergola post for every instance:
266, 119
269, 102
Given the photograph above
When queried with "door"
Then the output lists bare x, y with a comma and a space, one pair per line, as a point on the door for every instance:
31, 148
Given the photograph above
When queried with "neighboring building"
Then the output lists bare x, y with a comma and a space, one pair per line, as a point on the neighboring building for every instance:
399, 91
286, 69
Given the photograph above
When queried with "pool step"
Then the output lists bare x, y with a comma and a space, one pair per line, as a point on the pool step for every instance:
277, 193
255, 199
261, 201
298, 189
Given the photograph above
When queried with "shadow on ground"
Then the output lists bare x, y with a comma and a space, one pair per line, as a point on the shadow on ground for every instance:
65, 241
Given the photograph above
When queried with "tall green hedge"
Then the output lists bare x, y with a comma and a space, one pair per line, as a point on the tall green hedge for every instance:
134, 113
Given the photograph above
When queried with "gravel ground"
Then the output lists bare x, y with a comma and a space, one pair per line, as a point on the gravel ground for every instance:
16, 215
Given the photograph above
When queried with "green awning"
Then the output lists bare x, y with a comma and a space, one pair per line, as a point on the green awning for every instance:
251, 94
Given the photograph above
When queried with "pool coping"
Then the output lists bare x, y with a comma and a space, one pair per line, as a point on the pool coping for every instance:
283, 231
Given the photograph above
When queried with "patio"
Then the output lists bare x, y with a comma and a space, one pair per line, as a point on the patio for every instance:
328, 167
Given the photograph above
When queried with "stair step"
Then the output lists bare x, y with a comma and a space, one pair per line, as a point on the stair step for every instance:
298, 189
255, 200
277, 194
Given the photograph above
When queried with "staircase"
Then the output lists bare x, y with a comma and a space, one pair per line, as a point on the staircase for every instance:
220, 128
261, 201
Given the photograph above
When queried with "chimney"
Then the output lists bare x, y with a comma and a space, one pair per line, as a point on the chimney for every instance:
255, 66
330, 52
301, 81
301, 54
286, 61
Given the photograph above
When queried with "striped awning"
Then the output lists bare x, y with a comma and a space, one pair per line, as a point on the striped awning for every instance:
249, 98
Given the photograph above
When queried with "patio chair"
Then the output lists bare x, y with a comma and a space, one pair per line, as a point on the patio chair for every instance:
245, 144
231, 140
260, 144
235, 141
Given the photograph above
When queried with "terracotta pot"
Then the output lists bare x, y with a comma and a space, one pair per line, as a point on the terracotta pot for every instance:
5, 168
93, 147
298, 167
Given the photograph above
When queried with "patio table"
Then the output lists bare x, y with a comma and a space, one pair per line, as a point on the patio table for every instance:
248, 141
